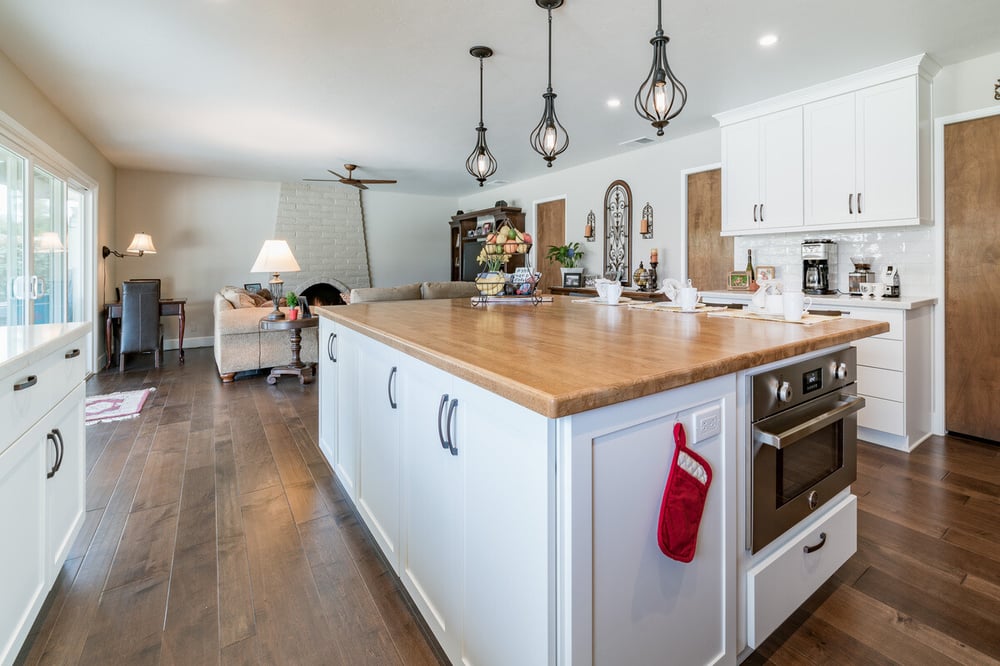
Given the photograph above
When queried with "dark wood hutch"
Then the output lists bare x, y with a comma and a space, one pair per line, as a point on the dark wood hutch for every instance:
467, 239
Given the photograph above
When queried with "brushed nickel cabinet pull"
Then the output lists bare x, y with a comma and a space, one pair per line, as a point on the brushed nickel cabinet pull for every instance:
755, 212
850, 203
389, 388
27, 383
813, 549
451, 437
444, 442
72, 353
859, 203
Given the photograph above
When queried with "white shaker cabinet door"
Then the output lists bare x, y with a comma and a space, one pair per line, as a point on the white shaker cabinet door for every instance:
65, 489
328, 395
741, 176
781, 169
378, 442
830, 150
433, 503
22, 524
347, 452
887, 138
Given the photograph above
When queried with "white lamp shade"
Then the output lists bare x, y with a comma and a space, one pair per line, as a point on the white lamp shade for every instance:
275, 257
142, 244
49, 241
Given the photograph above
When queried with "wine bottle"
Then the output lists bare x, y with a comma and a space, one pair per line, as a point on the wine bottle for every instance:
750, 273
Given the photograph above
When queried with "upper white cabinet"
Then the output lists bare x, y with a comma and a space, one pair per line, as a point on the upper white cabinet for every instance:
862, 156
762, 174
851, 153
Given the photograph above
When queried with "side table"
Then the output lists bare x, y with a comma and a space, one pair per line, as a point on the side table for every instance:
306, 372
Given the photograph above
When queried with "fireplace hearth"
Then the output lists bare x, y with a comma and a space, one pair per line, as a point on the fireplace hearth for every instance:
322, 293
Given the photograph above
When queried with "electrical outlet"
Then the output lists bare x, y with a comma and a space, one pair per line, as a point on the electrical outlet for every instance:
707, 423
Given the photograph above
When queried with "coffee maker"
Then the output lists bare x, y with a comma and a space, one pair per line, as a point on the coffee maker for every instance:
819, 256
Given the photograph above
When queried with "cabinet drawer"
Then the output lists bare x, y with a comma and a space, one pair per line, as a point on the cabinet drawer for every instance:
895, 319
54, 377
782, 581
880, 353
880, 383
885, 415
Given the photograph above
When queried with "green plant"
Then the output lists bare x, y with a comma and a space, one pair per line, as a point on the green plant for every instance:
291, 299
568, 255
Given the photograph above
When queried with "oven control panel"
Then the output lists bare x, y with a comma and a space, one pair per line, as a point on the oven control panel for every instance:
778, 389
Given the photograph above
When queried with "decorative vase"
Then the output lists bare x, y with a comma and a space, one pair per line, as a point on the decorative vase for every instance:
490, 283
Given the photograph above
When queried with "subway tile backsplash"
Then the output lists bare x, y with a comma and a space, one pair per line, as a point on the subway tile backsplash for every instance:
909, 249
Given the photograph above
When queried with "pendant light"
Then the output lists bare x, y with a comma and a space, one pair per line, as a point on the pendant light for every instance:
549, 137
481, 163
661, 96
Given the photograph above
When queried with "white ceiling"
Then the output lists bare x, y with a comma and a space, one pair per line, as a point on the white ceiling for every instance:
284, 89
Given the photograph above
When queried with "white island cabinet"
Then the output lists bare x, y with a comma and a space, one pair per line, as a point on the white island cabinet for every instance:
528, 540
42, 461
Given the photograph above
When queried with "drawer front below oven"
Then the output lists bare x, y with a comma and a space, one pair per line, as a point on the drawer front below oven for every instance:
779, 583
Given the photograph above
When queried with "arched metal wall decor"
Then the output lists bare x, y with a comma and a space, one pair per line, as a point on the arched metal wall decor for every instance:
617, 234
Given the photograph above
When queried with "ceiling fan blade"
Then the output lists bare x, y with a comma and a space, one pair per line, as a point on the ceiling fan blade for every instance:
366, 180
338, 175
322, 180
360, 185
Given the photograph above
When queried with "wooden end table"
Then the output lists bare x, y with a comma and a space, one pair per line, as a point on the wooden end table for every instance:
306, 372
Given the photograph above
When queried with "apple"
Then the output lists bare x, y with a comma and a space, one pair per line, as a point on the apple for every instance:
527, 237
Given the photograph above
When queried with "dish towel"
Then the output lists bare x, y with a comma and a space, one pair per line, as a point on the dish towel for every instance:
683, 500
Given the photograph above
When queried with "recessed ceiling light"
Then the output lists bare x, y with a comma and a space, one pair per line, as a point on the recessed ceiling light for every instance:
614, 103
768, 40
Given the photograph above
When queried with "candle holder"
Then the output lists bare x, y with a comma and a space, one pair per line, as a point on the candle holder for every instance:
646, 222
588, 231
651, 281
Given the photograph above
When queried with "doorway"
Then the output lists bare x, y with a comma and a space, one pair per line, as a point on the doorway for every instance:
550, 229
972, 276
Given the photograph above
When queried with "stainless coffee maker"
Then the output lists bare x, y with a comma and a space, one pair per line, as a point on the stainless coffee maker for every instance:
819, 260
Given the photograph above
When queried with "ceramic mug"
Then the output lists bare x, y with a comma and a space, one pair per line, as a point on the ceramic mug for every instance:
602, 287
795, 304
613, 293
774, 304
687, 298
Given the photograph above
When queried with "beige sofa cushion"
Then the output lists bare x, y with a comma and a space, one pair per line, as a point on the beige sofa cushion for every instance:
448, 290
406, 292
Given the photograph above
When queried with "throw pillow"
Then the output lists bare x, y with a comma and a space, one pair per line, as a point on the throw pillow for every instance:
241, 298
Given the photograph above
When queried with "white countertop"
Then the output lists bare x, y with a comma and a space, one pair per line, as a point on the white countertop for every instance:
835, 301
22, 345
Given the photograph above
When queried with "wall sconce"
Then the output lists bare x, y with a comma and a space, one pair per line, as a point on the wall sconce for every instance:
646, 223
588, 229
141, 244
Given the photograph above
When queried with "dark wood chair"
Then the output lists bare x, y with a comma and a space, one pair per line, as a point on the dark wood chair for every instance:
141, 329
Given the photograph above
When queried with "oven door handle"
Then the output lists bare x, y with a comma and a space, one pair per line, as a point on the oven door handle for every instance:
847, 405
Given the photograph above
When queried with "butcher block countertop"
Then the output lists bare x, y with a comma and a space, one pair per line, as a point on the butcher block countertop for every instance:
562, 358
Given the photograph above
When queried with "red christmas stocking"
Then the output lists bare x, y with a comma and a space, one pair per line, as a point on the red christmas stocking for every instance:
683, 500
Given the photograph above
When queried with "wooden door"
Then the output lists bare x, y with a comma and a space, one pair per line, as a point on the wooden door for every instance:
972, 277
550, 229
710, 256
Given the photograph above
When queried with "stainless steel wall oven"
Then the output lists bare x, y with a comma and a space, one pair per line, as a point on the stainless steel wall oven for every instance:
803, 423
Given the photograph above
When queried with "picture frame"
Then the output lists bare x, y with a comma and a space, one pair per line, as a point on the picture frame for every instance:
487, 227
765, 273
738, 281
573, 280
252, 287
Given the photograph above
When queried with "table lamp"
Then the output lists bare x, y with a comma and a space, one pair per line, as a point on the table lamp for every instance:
275, 257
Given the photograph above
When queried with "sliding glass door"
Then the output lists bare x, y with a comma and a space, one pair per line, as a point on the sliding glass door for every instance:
43, 240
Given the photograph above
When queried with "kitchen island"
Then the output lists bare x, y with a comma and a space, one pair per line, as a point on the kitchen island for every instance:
510, 460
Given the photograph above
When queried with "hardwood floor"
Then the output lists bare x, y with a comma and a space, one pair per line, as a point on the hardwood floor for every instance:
216, 534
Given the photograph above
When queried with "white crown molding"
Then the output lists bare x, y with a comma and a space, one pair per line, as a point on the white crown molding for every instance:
920, 65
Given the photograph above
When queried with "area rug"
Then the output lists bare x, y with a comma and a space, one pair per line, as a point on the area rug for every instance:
116, 406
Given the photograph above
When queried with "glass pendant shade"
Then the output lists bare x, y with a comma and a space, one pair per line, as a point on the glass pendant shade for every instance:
481, 163
549, 138
661, 96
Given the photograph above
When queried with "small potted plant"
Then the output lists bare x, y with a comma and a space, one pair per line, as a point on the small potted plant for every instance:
292, 301
569, 257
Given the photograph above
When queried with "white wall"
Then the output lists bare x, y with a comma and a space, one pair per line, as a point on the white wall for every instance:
208, 232
653, 174
966, 86
408, 236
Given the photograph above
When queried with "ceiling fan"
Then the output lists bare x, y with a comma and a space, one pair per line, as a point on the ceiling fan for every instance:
361, 184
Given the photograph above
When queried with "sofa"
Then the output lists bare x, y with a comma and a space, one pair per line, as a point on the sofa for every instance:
241, 346
417, 290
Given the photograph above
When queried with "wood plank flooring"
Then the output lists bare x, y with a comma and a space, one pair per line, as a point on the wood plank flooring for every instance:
215, 533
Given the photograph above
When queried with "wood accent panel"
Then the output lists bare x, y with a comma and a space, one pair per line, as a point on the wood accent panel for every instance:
550, 229
709, 255
972, 276
910, 595
641, 352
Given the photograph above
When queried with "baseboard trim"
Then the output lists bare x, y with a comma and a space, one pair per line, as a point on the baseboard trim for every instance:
189, 343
